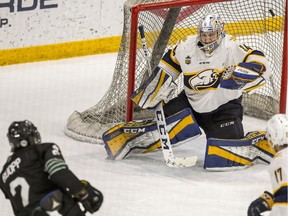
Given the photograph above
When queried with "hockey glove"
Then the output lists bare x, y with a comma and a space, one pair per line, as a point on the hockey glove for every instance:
52, 201
261, 204
90, 197
236, 77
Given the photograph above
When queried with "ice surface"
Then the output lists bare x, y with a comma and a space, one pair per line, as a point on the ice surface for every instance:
46, 93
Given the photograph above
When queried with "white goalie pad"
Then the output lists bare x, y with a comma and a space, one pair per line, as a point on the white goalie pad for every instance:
137, 137
158, 87
234, 154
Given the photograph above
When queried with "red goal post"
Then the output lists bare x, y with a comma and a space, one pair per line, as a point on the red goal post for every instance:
260, 24
284, 80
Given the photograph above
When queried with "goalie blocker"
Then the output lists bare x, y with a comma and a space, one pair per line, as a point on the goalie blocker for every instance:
136, 137
157, 88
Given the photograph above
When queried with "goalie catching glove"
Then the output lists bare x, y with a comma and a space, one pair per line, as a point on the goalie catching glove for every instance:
90, 197
261, 204
158, 87
236, 77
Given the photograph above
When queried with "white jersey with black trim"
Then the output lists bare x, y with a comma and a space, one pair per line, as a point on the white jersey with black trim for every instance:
202, 73
278, 170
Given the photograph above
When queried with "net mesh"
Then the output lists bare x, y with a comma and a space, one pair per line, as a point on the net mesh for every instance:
257, 23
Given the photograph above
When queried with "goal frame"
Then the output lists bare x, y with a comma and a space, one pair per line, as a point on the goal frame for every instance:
181, 3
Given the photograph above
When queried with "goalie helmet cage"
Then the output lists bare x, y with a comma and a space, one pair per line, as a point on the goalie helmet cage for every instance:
260, 24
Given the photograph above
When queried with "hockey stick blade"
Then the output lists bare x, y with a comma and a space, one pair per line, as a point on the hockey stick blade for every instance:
181, 162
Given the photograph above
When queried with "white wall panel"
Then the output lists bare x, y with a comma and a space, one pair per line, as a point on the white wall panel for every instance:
25, 23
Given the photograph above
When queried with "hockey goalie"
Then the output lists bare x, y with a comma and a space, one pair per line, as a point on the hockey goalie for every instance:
217, 70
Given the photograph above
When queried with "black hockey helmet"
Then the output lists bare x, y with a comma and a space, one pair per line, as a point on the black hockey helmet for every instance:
23, 133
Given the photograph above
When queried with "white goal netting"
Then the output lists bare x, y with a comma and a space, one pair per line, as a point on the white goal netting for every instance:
257, 23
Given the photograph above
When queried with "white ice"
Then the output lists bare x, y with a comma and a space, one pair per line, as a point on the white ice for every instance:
46, 93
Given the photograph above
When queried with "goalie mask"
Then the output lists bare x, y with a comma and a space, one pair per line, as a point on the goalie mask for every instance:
21, 134
277, 130
210, 33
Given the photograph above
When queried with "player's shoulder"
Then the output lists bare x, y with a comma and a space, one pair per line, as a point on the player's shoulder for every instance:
187, 44
47, 151
280, 158
45, 146
230, 41
283, 154
236, 47
188, 41
8, 161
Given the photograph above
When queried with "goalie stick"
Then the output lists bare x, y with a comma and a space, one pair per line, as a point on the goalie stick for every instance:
169, 157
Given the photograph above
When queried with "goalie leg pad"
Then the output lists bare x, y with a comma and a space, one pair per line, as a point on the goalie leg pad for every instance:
137, 137
232, 154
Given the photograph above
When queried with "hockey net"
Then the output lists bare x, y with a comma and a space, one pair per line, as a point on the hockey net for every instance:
259, 24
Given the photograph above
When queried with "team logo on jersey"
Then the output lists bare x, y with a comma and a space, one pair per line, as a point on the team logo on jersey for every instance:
203, 79
188, 60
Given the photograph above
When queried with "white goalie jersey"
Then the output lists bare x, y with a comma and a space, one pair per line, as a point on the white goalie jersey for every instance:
278, 171
202, 72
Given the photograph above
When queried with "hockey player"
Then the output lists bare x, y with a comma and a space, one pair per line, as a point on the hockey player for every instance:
37, 181
277, 201
217, 70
